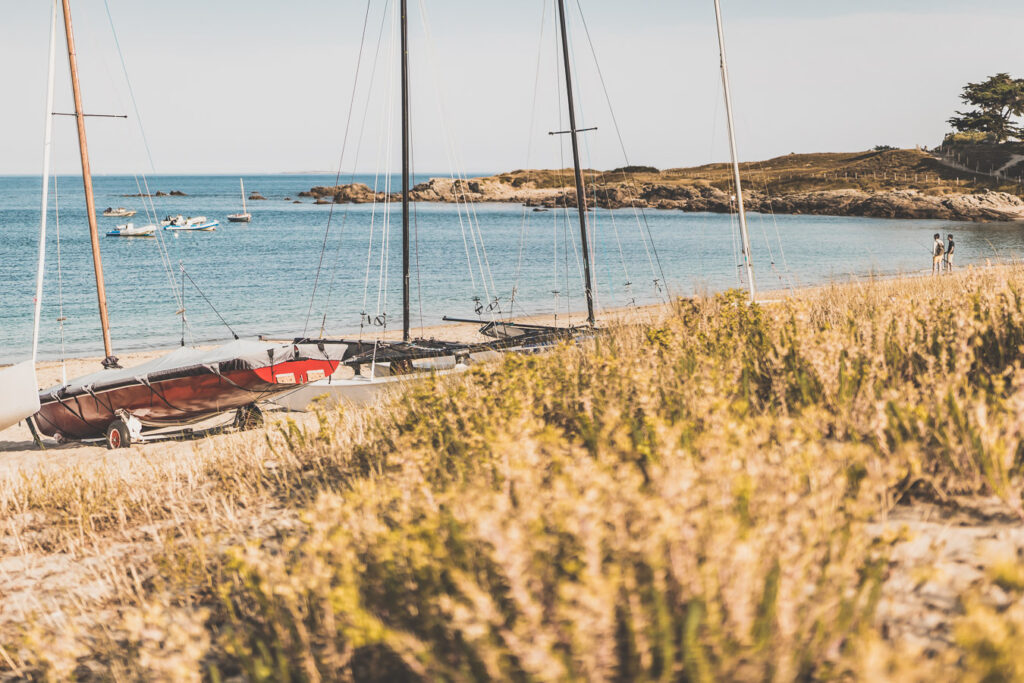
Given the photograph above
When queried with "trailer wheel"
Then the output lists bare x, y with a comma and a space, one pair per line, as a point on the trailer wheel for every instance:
118, 435
249, 417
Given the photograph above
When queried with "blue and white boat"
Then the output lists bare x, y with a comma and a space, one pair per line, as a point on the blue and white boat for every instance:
131, 230
180, 222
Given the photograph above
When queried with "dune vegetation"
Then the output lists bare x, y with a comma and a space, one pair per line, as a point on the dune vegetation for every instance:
695, 497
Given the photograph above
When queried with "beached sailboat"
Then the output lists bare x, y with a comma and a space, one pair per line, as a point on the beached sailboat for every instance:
245, 216
380, 365
132, 230
183, 387
19, 399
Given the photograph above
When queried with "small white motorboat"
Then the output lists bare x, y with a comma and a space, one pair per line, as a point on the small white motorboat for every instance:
119, 212
130, 230
245, 216
180, 222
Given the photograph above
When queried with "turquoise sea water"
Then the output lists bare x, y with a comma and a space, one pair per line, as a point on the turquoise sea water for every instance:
260, 276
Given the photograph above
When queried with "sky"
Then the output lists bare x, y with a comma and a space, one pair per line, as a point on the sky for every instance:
264, 86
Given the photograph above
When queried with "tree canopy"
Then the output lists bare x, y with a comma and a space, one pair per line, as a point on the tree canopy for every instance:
997, 101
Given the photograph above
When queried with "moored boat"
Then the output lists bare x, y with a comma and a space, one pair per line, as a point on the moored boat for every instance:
244, 216
119, 212
180, 222
131, 230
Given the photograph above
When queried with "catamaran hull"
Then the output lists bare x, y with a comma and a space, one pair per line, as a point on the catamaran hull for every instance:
174, 401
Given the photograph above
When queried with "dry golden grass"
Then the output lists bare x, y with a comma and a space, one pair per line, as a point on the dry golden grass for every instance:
694, 499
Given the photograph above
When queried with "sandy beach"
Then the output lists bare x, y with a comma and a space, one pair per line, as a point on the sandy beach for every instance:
18, 451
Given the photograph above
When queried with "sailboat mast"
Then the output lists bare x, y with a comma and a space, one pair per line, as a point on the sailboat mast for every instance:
581, 196
241, 184
405, 172
90, 204
47, 145
744, 235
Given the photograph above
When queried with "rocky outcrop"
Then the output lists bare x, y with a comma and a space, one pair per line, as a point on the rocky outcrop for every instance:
698, 196
256, 197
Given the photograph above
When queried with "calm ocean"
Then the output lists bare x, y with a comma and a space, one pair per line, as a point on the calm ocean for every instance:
260, 276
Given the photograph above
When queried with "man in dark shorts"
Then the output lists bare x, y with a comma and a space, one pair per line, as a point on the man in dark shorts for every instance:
949, 254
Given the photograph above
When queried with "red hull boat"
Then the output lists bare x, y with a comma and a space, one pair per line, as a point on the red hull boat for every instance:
181, 388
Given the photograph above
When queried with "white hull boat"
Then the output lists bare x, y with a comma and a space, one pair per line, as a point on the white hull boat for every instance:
180, 222
130, 230
244, 216
119, 212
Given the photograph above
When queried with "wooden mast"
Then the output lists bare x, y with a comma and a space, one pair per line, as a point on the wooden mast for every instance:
241, 184
90, 204
581, 196
405, 172
744, 234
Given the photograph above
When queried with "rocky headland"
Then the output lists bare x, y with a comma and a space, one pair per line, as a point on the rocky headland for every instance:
879, 184
701, 196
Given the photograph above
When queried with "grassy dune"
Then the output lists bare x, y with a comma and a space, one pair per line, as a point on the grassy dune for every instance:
870, 171
694, 498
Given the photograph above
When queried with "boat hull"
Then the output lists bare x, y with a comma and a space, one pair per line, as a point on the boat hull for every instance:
173, 401
239, 218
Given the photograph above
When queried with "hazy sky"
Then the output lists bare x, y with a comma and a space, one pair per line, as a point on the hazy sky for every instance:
254, 86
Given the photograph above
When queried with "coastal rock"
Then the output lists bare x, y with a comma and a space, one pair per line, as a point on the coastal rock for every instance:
697, 195
256, 197
178, 193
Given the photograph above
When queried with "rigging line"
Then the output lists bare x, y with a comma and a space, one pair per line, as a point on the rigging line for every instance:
341, 160
385, 253
145, 143
561, 173
462, 199
387, 104
352, 177
60, 284
778, 235
529, 157
457, 182
416, 232
206, 299
618, 132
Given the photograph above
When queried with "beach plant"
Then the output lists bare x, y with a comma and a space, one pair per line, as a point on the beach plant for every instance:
693, 497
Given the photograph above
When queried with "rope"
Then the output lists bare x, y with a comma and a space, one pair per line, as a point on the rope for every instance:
60, 285
638, 211
337, 177
162, 247
207, 300
355, 165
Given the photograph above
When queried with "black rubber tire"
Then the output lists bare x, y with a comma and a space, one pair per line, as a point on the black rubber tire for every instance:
118, 435
249, 417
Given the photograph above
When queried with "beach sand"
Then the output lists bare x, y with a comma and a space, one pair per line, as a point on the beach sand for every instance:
18, 451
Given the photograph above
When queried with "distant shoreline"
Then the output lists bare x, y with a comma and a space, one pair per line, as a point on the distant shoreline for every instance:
874, 184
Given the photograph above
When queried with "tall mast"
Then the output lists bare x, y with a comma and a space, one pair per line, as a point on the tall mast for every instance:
90, 204
241, 184
581, 195
745, 237
47, 144
405, 172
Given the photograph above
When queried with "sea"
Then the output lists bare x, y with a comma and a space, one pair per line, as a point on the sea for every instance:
304, 269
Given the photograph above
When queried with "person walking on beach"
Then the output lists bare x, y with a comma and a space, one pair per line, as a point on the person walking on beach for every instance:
937, 251
949, 254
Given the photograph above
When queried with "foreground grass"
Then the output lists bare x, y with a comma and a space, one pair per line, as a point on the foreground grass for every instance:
690, 499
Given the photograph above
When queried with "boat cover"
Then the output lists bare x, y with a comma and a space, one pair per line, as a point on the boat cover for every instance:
238, 354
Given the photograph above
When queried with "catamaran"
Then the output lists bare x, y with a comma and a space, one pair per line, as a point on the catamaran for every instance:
379, 365
245, 216
122, 405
